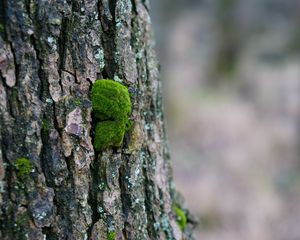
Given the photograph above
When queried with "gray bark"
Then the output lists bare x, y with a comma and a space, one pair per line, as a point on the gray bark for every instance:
51, 52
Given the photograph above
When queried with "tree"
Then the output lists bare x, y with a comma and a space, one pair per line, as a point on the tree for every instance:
54, 185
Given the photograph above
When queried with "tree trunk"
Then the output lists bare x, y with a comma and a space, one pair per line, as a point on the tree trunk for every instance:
53, 184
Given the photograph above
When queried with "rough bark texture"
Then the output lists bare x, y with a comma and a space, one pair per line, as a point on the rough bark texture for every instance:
51, 52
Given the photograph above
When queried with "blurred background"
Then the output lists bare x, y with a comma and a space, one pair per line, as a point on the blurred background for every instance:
231, 75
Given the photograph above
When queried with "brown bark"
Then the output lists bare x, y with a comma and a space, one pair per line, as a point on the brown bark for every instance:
50, 54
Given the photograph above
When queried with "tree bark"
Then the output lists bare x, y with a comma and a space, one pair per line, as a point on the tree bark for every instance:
51, 52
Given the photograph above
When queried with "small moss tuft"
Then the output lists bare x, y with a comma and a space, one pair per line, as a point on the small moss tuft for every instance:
1, 28
23, 166
111, 107
181, 218
77, 102
111, 235
45, 126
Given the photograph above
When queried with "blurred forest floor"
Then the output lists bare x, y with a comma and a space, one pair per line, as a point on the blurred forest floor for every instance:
231, 72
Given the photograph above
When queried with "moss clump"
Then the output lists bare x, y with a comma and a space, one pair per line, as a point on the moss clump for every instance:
77, 102
23, 166
111, 235
181, 218
111, 107
22, 219
45, 126
21, 226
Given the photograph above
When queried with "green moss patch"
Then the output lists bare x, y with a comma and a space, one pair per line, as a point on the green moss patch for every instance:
23, 166
45, 126
111, 107
2, 28
111, 235
181, 218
